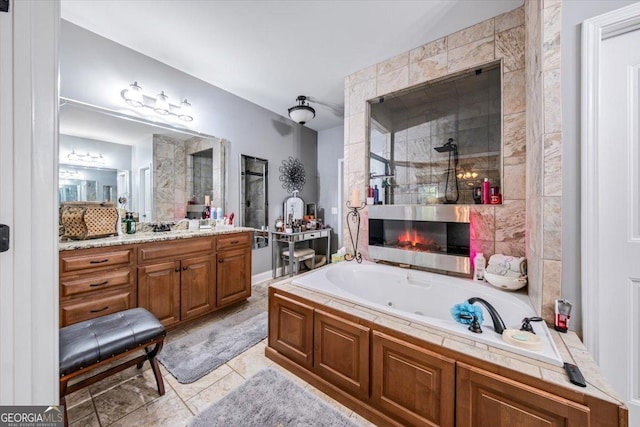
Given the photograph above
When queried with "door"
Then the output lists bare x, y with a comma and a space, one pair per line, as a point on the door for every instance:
234, 276
619, 218
159, 291
198, 286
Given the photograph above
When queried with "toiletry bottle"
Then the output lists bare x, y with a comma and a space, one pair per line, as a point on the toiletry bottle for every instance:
496, 197
370, 192
478, 264
213, 213
486, 197
376, 195
219, 213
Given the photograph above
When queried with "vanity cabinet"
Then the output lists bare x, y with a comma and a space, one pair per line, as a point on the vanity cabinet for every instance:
341, 353
411, 383
291, 329
485, 399
96, 282
233, 269
174, 283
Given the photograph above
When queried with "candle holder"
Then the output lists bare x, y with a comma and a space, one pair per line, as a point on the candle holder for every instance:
354, 216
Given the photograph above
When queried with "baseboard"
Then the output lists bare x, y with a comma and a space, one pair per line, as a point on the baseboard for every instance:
361, 408
261, 277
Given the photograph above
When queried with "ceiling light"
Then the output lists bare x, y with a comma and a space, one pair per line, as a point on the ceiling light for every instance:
134, 96
302, 112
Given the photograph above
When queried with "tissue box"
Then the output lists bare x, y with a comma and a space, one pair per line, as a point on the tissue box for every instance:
337, 257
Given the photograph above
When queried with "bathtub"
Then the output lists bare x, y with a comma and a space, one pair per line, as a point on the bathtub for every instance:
426, 298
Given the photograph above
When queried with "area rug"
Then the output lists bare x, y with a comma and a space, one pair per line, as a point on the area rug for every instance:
269, 399
195, 355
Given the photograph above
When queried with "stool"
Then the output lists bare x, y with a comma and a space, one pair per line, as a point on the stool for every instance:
96, 342
298, 256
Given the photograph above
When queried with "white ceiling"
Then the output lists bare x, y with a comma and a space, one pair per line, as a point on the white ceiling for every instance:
269, 52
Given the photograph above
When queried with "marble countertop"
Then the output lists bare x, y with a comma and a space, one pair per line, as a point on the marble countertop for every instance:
570, 346
148, 236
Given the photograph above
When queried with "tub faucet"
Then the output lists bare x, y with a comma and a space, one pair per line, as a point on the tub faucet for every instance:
498, 323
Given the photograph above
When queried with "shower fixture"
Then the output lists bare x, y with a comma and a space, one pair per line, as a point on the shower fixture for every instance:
451, 148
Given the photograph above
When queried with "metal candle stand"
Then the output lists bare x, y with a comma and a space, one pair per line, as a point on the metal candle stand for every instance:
354, 215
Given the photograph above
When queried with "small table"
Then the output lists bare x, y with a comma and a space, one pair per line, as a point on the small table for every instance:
290, 239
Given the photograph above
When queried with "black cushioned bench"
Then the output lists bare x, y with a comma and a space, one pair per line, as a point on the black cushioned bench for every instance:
96, 342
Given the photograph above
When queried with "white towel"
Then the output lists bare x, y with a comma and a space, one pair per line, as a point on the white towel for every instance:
499, 270
508, 263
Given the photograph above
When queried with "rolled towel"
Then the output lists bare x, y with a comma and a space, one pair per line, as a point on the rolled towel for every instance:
500, 270
517, 264
465, 312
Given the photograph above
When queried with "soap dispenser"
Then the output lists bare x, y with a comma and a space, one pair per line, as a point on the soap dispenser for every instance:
479, 263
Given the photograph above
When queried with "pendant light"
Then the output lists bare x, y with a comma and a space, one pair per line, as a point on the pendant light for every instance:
302, 113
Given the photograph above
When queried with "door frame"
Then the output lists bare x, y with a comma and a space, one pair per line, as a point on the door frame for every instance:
594, 32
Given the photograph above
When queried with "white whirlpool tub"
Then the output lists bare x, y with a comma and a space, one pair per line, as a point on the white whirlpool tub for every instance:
427, 298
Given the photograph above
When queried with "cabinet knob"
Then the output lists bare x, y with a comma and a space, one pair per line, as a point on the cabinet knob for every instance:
178, 270
185, 268
220, 260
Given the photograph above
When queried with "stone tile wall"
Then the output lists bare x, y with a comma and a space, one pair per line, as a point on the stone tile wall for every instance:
495, 229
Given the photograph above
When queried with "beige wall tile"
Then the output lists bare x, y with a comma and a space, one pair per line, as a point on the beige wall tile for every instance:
514, 94
514, 139
393, 81
359, 94
471, 34
362, 75
534, 275
510, 221
553, 164
487, 247
507, 20
552, 101
533, 233
551, 21
471, 54
483, 223
357, 160
552, 228
513, 182
511, 248
394, 63
510, 47
428, 69
552, 289
428, 50
357, 128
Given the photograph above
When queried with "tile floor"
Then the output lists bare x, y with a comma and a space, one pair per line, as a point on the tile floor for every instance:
130, 398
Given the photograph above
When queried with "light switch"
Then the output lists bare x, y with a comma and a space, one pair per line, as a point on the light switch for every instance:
334, 211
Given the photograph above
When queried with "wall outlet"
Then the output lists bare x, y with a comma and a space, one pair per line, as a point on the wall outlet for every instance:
334, 211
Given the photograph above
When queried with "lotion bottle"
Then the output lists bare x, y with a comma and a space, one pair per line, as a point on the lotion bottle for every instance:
479, 264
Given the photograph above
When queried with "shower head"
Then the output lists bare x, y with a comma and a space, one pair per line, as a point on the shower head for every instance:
447, 147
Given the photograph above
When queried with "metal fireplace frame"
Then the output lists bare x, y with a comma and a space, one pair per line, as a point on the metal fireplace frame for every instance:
439, 213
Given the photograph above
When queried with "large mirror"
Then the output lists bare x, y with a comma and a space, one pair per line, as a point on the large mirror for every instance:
159, 172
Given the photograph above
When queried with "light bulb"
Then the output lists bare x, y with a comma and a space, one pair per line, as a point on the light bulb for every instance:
185, 111
133, 96
162, 104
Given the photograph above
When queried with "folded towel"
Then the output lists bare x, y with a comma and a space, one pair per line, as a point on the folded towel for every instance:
517, 264
499, 270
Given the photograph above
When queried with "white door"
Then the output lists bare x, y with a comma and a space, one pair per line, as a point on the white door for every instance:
619, 223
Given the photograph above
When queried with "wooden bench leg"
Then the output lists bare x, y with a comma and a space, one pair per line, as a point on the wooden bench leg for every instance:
63, 402
151, 356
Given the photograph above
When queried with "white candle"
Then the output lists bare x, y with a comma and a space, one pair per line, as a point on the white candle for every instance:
355, 198
207, 200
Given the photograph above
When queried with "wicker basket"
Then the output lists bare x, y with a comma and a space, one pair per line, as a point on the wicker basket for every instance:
506, 283
88, 220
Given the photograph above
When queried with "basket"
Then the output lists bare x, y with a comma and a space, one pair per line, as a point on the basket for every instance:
506, 283
87, 220
320, 261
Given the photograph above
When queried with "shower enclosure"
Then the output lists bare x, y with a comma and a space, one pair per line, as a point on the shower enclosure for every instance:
436, 142
254, 195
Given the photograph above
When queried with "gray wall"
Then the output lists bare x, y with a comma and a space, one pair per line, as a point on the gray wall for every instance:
330, 149
573, 13
94, 70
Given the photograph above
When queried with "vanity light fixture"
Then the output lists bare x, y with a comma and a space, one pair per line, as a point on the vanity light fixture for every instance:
86, 158
302, 113
135, 97
68, 174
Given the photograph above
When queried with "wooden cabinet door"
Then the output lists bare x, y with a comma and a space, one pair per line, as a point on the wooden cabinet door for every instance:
291, 329
159, 290
341, 353
198, 286
234, 276
485, 399
412, 384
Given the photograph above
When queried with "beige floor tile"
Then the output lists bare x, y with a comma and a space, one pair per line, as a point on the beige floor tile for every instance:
214, 392
115, 380
187, 391
329, 401
80, 411
126, 397
169, 410
250, 362
88, 421
77, 397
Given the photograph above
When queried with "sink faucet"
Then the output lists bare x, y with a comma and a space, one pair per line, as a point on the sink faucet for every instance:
498, 323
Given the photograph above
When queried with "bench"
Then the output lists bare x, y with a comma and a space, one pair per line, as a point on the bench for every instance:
96, 342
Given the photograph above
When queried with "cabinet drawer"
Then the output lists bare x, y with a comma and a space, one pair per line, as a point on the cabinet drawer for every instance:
89, 309
156, 251
233, 241
98, 259
96, 282
316, 234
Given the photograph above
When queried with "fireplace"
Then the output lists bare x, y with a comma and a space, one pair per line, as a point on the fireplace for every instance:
435, 237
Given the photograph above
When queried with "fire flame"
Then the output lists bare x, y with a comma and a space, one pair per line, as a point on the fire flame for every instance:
413, 238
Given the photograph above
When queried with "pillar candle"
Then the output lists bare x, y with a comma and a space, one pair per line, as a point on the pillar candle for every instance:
355, 198
207, 200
